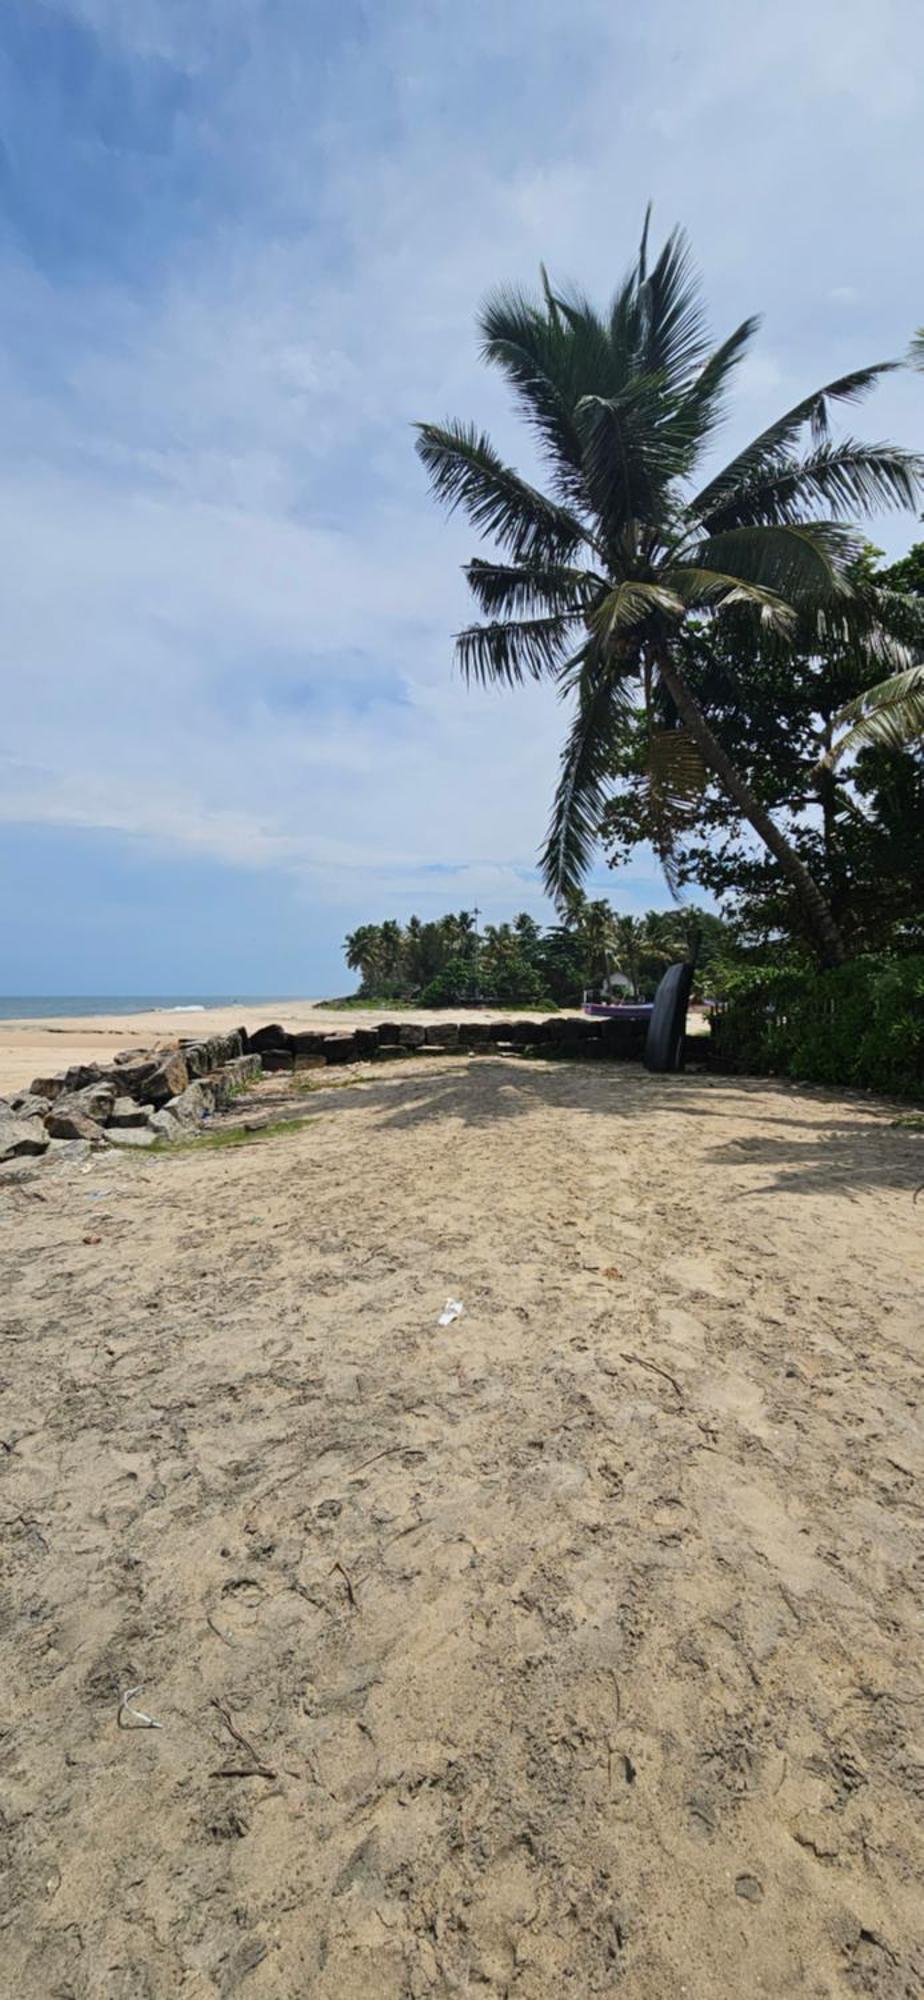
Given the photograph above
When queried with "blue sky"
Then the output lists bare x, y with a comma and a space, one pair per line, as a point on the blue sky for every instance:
242, 244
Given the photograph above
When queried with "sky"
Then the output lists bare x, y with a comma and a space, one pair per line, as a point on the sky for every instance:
243, 243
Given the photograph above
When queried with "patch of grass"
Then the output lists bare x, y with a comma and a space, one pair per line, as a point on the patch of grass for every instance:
235, 1135
913, 1123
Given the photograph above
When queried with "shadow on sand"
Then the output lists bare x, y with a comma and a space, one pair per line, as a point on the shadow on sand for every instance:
808, 1140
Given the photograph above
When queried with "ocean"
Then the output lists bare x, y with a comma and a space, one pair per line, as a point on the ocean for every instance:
51, 1006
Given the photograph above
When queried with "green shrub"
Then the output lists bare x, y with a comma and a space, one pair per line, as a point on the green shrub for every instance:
860, 1024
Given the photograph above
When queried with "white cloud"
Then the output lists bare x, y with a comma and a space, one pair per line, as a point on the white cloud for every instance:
214, 527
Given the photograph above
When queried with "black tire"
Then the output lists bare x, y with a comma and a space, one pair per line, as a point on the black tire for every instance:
667, 1027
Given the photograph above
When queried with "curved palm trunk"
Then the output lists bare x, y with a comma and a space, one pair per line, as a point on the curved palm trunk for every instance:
817, 910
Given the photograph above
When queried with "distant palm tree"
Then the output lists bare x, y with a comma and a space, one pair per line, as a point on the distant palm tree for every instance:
605, 568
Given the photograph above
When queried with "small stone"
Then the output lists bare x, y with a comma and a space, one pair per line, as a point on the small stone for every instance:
748, 1887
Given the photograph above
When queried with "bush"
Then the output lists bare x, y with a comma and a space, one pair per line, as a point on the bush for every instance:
860, 1024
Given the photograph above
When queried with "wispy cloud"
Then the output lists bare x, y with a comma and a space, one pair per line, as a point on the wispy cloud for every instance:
244, 244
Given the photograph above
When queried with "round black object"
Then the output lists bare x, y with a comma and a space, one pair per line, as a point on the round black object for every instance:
667, 1027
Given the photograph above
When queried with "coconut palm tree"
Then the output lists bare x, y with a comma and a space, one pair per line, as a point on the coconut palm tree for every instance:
891, 714
600, 571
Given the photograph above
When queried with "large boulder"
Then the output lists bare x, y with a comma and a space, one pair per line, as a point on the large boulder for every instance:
169, 1077
64, 1124
341, 1048
442, 1035
21, 1136
411, 1035
94, 1101
130, 1135
305, 1042
273, 1059
192, 1104
164, 1125
126, 1115
271, 1037
47, 1086
80, 1075
27, 1104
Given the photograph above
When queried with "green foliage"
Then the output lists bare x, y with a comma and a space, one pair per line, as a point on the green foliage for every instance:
859, 1024
448, 964
856, 821
597, 579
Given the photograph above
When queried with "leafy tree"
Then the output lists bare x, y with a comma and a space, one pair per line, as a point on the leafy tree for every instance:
605, 571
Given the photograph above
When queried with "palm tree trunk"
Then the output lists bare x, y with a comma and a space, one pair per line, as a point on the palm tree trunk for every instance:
817, 910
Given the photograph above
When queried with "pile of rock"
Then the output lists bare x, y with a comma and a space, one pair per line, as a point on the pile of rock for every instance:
557, 1034
141, 1096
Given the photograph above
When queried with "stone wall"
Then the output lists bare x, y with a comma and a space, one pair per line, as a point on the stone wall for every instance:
148, 1094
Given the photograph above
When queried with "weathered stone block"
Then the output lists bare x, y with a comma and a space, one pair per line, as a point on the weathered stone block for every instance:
47, 1086
340, 1048
307, 1042
94, 1101
27, 1104
389, 1033
20, 1137
445, 1035
168, 1079
276, 1059
411, 1035
64, 1124
130, 1135
191, 1104
126, 1114
271, 1037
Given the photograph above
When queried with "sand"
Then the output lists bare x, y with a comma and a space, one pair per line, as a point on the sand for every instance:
574, 1648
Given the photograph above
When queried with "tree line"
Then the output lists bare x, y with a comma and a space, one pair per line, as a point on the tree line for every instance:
450, 962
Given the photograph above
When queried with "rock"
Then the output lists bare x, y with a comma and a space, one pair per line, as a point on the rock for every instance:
27, 1104
94, 1101
411, 1035
130, 1135
190, 1107
21, 1136
272, 1037
46, 1086
391, 1052
126, 1114
80, 1075
308, 1062
340, 1048
64, 1124
130, 1077
307, 1042
273, 1059
474, 1035
163, 1125
243, 1069
389, 1033
169, 1078
443, 1036
226, 1049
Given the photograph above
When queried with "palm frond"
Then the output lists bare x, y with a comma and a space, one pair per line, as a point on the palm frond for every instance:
522, 588
629, 604
916, 352
848, 478
673, 338
889, 716
701, 406
805, 562
778, 439
627, 455
551, 364
513, 650
604, 716
697, 586
465, 471
675, 778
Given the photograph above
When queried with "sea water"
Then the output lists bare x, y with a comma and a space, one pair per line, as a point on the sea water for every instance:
45, 1006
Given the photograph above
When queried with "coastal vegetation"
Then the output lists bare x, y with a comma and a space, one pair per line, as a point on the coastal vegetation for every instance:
666, 600
450, 962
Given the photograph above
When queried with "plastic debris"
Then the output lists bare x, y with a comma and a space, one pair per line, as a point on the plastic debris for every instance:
453, 1309
138, 1718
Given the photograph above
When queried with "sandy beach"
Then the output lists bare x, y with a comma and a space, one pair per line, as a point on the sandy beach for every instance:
572, 1647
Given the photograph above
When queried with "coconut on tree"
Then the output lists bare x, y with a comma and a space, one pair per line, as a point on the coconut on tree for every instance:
600, 572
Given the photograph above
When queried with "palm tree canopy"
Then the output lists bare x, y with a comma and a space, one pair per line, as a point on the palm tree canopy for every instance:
889, 716
598, 569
